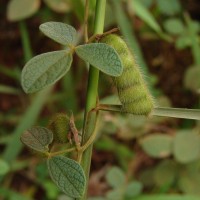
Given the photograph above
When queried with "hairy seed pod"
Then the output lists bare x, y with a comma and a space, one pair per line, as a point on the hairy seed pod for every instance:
59, 125
132, 90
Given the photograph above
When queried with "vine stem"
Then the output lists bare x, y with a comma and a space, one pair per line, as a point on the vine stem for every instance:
183, 113
92, 95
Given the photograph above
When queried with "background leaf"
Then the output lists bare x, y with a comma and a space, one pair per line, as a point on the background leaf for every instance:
186, 147
21, 9
142, 12
45, 69
157, 145
189, 181
68, 175
116, 194
174, 26
60, 32
133, 189
37, 138
169, 7
4, 167
101, 56
61, 6
115, 177
167, 197
191, 79
165, 173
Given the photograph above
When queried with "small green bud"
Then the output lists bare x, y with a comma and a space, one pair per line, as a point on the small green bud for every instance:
59, 125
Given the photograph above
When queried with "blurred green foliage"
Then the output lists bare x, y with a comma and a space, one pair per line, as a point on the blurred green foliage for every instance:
152, 158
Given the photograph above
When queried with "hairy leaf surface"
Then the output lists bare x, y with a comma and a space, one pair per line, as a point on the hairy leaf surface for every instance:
37, 138
45, 69
101, 56
68, 175
60, 32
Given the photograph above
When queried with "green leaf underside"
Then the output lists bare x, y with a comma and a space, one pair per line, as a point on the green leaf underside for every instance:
22, 9
101, 56
37, 138
59, 32
45, 69
68, 175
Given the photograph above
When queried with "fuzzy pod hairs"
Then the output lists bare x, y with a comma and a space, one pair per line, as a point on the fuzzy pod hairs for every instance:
132, 90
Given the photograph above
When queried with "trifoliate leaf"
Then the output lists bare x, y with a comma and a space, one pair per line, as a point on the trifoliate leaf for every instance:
59, 32
101, 56
37, 138
45, 69
21, 9
68, 175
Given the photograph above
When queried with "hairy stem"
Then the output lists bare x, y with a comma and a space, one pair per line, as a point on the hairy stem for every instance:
92, 95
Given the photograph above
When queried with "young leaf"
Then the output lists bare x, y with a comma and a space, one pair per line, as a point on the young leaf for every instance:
60, 32
45, 69
37, 138
21, 9
101, 56
68, 175
157, 145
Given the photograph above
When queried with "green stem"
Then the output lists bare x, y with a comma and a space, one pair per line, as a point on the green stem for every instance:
92, 94
183, 113
28, 54
61, 152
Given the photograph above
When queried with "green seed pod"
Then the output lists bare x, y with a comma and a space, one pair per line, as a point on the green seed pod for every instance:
132, 90
59, 125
